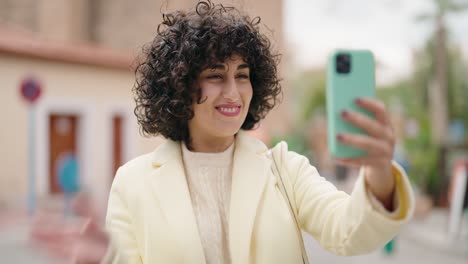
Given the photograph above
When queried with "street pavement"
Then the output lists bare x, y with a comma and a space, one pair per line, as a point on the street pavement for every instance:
422, 241
15, 247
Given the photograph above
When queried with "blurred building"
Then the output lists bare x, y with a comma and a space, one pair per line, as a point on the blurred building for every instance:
80, 53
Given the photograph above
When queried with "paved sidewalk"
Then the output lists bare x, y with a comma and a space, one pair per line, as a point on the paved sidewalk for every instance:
419, 242
422, 241
15, 247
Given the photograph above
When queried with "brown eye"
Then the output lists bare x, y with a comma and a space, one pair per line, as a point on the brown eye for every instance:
243, 76
214, 76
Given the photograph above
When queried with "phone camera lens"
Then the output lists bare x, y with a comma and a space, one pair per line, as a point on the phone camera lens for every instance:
343, 63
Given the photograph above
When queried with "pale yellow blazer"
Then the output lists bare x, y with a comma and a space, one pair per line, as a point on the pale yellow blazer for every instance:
151, 220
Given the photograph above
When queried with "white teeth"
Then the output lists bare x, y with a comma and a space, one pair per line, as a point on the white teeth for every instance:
228, 110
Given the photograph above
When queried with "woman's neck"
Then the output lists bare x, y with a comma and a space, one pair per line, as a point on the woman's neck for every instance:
210, 144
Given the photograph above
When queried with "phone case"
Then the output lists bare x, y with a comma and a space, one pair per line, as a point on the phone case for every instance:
342, 91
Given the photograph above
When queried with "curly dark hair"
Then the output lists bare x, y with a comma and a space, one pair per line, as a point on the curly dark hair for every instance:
188, 42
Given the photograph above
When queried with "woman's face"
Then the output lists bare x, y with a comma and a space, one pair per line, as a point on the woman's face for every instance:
226, 93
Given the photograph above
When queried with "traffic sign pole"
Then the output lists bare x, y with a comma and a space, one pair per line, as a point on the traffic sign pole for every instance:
30, 90
32, 161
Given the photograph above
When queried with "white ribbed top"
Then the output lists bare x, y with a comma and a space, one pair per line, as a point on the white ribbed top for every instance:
209, 180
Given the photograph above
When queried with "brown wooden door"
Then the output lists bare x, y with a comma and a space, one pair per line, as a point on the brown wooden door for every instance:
117, 137
62, 141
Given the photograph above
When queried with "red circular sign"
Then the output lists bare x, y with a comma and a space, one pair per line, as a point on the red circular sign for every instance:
30, 89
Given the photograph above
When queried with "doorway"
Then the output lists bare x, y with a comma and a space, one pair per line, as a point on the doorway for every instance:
63, 133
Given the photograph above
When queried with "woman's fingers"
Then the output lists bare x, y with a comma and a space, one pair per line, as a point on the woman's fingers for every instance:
375, 106
380, 141
356, 162
371, 126
380, 128
359, 162
372, 145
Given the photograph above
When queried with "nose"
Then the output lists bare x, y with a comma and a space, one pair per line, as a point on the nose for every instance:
230, 91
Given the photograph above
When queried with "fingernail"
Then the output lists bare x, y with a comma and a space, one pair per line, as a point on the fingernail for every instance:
358, 101
344, 113
339, 137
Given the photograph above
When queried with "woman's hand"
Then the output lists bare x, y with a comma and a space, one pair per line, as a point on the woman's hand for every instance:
80, 241
379, 144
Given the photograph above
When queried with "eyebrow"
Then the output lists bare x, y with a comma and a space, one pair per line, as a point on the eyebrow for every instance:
220, 66
243, 66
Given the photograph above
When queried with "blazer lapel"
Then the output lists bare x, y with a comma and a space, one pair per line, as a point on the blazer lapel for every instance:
170, 187
249, 177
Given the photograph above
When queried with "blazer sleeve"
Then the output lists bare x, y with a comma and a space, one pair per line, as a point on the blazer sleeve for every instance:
123, 247
343, 224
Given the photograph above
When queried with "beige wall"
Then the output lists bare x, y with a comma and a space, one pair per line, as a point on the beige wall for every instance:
64, 20
117, 23
137, 21
20, 14
90, 91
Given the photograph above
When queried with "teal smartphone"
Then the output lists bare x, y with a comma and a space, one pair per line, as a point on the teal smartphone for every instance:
350, 75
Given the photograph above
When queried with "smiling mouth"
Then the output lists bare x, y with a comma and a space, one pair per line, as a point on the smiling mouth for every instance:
228, 110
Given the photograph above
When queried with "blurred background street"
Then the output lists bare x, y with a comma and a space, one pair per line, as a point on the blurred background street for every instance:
67, 122
423, 241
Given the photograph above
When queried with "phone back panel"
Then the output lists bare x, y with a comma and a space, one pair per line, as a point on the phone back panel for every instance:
342, 91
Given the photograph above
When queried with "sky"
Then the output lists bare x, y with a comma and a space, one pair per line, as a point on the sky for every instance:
314, 28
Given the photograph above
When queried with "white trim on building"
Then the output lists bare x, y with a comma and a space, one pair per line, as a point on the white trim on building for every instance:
84, 110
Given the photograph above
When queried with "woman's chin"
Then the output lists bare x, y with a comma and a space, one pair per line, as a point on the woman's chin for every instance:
228, 131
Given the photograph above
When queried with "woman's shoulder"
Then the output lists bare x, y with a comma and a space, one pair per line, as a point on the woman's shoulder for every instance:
290, 159
280, 151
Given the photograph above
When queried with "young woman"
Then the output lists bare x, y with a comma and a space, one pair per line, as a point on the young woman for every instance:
209, 193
